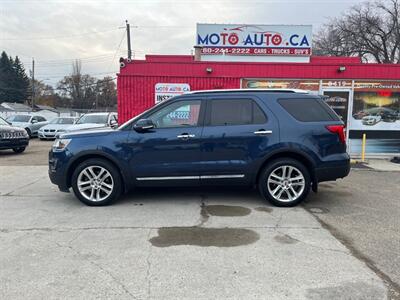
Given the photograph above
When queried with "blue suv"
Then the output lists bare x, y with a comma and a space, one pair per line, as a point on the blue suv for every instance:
283, 141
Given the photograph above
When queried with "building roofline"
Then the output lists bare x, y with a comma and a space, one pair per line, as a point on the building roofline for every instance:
266, 90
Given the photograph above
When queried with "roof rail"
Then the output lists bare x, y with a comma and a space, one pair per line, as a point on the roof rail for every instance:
276, 90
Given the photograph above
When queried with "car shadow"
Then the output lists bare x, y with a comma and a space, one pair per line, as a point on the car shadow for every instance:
9, 152
206, 193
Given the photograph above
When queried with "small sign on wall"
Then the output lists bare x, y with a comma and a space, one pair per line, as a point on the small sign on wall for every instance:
164, 91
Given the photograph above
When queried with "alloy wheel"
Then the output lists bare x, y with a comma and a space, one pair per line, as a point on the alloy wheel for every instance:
95, 183
286, 183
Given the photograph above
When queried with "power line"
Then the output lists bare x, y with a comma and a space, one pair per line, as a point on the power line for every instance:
57, 89
75, 58
119, 46
63, 75
69, 62
58, 37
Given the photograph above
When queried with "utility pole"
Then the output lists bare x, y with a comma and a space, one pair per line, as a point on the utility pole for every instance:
33, 83
128, 34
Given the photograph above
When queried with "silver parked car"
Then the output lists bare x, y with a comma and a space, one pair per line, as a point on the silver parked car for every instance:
95, 120
371, 120
55, 126
31, 123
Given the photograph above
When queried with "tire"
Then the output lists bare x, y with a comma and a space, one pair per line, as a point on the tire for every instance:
95, 191
19, 150
284, 191
29, 132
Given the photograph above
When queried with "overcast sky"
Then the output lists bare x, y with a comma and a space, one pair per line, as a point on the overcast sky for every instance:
55, 32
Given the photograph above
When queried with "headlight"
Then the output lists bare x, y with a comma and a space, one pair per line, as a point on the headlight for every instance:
60, 130
60, 144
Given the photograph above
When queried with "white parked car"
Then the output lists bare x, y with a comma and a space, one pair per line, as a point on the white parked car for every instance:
31, 123
95, 120
371, 120
55, 126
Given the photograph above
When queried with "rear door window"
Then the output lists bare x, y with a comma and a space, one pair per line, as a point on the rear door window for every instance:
225, 112
309, 110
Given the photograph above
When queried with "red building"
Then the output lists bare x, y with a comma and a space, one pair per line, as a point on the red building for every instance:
366, 96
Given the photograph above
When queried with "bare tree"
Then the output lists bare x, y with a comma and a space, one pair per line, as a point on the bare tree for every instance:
80, 89
370, 30
106, 92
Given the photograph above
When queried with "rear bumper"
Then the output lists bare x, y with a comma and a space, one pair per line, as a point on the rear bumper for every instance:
332, 172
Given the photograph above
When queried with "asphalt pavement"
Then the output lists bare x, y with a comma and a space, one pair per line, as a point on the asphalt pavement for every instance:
199, 243
363, 211
168, 244
36, 154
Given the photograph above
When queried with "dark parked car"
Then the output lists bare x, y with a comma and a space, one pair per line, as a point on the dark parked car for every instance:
11, 137
389, 116
282, 141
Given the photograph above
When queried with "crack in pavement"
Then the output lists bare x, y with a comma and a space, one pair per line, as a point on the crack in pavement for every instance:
204, 216
148, 273
24, 186
286, 212
115, 279
393, 287
66, 230
314, 246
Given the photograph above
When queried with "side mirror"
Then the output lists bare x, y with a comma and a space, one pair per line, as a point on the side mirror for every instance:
143, 125
34, 121
113, 123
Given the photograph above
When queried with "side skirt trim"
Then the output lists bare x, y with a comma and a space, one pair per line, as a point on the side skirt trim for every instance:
221, 176
190, 177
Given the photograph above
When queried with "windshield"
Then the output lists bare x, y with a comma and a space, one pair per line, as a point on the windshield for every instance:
20, 118
3, 122
62, 121
96, 119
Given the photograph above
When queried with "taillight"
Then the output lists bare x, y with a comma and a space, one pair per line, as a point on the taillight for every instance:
339, 130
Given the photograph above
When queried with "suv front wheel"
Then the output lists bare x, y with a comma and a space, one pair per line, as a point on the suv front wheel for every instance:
284, 182
96, 182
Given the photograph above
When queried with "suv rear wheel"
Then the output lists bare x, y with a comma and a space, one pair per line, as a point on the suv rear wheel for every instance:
96, 182
285, 182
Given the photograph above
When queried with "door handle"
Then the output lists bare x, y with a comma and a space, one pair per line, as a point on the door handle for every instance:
262, 132
185, 136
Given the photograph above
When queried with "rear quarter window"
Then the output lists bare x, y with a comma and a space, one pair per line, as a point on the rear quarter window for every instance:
309, 110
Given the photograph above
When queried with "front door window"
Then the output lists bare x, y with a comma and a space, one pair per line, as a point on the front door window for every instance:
177, 114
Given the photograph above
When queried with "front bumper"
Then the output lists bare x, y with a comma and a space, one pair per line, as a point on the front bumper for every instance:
56, 173
14, 143
47, 135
